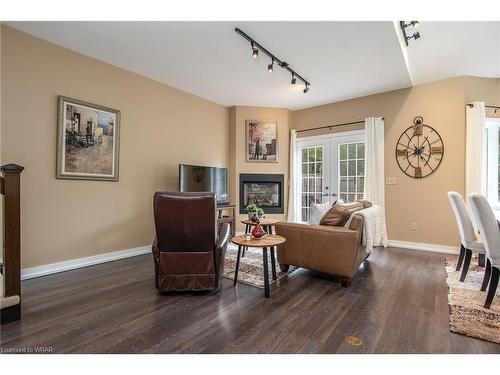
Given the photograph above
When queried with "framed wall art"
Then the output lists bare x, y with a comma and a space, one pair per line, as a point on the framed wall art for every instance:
88, 141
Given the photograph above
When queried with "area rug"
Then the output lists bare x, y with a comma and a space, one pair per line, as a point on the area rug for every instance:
251, 267
467, 314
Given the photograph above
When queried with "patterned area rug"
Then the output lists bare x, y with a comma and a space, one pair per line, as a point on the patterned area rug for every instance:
251, 268
467, 314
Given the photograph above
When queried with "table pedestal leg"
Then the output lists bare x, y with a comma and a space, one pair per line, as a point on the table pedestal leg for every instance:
266, 272
237, 265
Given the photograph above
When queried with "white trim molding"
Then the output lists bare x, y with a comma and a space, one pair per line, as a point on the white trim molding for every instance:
47, 269
443, 249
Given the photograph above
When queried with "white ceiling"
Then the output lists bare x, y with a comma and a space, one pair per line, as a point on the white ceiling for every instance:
342, 60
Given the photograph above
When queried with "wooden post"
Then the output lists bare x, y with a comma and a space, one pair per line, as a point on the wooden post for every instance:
11, 189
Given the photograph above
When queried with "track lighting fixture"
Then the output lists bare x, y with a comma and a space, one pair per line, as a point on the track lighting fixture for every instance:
256, 47
255, 51
270, 66
405, 25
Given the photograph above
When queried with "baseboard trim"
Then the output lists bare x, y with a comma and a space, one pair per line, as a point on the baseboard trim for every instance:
48, 269
443, 249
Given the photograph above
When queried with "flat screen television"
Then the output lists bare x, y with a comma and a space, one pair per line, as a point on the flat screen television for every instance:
196, 178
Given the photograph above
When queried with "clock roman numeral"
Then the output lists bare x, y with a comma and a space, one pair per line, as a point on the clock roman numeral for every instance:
418, 172
436, 149
402, 153
417, 129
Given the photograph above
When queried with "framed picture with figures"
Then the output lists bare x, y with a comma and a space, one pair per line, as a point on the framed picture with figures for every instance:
262, 141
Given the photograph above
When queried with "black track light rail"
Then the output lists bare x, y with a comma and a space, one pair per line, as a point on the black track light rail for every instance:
282, 64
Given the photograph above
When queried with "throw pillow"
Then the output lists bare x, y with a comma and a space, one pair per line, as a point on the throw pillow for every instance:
340, 213
366, 204
317, 211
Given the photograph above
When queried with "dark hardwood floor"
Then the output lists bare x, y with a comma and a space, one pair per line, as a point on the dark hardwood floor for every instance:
396, 304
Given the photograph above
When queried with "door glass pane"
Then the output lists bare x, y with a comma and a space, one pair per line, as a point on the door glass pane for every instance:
319, 153
312, 179
343, 168
343, 152
351, 171
361, 150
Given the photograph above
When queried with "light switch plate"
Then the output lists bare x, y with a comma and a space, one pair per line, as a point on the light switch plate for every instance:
390, 181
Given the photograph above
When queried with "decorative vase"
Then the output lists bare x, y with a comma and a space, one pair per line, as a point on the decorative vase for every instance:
257, 231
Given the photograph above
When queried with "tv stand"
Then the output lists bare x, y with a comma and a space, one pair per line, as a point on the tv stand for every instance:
226, 213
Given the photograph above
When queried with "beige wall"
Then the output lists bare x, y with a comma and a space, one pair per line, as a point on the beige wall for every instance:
237, 148
424, 201
161, 127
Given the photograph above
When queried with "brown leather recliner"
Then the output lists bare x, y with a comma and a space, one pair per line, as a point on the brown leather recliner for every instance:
188, 252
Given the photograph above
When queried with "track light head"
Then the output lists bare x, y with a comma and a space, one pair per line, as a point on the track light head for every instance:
415, 24
270, 66
255, 51
414, 36
306, 89
294, 80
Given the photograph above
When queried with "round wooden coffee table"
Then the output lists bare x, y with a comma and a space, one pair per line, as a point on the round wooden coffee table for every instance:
268, 241
267, 225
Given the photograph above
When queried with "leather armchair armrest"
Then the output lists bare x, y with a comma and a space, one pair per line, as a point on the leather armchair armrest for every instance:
223, 237
156, 251
220, 251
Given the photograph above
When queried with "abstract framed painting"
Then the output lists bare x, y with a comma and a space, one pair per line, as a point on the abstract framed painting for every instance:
88, 141
262, 141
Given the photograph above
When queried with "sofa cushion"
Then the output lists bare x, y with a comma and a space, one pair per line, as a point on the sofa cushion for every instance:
339, 214
317, 211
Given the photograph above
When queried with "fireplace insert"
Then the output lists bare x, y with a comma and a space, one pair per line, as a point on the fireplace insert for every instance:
265, 190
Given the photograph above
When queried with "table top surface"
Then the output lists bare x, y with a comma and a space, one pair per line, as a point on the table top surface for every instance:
263, 222
268, 240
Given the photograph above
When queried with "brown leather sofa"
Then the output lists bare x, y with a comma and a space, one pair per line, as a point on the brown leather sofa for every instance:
188, 252
331, 249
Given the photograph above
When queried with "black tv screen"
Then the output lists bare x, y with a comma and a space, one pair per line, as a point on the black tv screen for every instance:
196, 178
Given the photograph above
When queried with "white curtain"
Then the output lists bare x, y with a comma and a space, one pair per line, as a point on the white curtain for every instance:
374, 161
292, 214
374, 172
475, 152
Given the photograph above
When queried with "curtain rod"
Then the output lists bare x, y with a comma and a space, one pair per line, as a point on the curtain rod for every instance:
487, 106
333, 126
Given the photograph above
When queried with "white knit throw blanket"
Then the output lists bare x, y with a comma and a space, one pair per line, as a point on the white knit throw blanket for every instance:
374, 227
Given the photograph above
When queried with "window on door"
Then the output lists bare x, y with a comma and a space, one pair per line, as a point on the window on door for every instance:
312, 179
493, 161
351, 179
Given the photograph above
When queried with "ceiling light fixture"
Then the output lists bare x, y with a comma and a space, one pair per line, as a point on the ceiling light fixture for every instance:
283, 64
405, 25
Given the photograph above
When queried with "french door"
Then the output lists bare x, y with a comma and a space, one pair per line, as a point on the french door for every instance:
329, 167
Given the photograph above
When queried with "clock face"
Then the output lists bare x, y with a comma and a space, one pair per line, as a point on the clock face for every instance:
419, 150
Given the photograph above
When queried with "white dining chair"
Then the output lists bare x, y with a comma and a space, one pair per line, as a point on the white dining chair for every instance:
490, 234
470, 242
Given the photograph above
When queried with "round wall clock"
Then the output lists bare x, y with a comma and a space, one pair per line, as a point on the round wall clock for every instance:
419, 150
